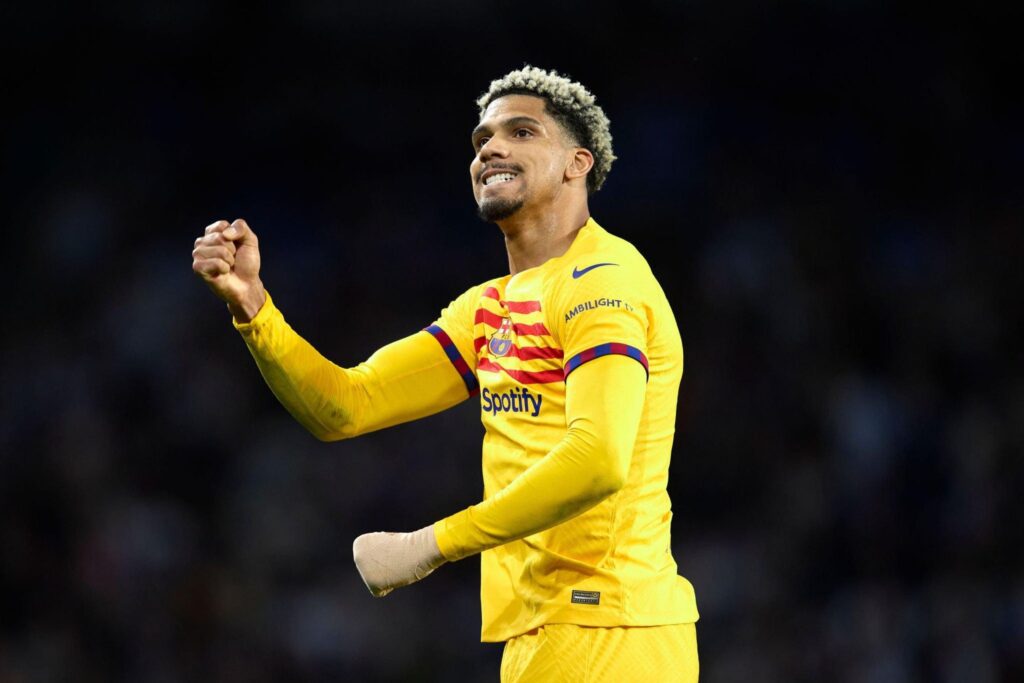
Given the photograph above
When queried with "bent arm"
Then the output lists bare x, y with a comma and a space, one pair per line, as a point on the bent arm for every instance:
604, 402
405, 380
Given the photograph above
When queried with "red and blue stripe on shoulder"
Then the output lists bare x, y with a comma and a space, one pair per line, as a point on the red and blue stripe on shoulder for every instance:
460, 364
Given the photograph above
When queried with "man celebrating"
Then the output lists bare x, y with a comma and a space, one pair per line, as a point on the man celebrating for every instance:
577, 360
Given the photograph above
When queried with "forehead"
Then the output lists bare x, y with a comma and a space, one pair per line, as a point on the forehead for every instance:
511, 106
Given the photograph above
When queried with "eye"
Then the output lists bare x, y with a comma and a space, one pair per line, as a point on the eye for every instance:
480, 141
523, 133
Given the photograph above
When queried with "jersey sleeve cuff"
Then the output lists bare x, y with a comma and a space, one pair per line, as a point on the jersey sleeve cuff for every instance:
258, 320
447, 532
606, 350
458, 362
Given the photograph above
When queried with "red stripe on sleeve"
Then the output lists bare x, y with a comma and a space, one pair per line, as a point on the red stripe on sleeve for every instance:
461, 365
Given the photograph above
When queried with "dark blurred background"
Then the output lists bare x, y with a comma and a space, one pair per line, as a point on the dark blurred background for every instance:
830, 194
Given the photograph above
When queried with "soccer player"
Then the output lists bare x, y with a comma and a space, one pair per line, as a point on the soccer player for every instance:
576, 358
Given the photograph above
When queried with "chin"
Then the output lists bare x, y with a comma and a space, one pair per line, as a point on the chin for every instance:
498, 209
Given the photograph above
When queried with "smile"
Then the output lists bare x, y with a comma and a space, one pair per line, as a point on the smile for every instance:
498, 178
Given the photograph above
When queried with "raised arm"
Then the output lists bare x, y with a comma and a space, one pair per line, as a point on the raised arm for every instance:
405, 380
408, 379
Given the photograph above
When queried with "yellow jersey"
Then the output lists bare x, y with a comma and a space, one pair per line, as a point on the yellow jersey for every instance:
516, 340
574, 526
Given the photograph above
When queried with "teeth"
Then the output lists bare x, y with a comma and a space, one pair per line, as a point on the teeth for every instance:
499, 178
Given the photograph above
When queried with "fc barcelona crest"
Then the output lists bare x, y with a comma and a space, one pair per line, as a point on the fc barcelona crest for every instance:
501, 341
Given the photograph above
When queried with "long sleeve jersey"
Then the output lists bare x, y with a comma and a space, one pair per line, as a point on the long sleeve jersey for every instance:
577, 365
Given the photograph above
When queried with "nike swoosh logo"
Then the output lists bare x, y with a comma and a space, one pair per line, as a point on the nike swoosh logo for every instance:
577, 273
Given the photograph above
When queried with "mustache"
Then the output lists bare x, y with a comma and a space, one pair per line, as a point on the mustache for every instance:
498, 167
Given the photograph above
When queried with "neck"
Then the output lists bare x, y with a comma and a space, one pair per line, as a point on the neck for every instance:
531, 238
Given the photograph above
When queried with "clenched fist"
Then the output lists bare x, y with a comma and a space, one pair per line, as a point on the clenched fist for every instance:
387, 561
227, 258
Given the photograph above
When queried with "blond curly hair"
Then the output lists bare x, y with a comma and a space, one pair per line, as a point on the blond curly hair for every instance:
569, 103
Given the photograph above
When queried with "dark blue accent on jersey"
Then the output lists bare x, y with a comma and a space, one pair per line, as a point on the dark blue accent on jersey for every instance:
576, 273
606, 350
452, 351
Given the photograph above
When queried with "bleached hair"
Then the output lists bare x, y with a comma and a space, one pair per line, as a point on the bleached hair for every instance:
569, 103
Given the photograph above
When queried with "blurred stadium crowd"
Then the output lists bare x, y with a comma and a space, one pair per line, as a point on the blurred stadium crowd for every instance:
829, 194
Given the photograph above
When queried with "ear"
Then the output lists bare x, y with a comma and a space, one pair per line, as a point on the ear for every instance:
579, 164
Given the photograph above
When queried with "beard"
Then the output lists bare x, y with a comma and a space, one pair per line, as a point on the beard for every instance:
499, 209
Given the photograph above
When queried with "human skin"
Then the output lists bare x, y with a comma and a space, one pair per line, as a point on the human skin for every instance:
227, 258
517, 133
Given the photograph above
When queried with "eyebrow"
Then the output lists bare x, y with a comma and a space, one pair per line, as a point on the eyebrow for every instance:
508, 123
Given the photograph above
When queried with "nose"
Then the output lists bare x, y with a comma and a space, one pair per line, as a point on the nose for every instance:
493, 148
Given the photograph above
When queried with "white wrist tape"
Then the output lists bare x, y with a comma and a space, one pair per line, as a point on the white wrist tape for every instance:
387, 561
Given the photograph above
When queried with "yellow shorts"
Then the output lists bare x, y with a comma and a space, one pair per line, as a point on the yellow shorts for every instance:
568, 653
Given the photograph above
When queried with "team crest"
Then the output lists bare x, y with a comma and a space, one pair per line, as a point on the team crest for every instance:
501, 341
